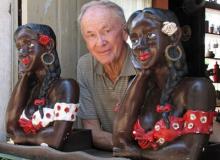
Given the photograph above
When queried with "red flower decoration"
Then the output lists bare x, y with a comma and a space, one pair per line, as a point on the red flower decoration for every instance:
28, 127
44, 39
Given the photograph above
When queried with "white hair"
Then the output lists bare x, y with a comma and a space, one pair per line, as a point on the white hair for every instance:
105, 3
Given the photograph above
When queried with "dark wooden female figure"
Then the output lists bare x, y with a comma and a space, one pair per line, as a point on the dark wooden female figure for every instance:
43, 106
164, 114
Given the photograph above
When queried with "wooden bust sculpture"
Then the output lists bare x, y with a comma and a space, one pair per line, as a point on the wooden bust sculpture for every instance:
164, 114
43, 106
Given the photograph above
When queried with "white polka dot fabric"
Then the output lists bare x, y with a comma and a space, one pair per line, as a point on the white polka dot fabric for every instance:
61, 111
65, 111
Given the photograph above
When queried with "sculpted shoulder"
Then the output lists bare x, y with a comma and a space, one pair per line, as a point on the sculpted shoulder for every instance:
198, 84
66, 90
198, 93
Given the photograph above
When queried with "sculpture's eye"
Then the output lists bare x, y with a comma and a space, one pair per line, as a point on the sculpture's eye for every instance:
26, 48
31, 45
151, 36
30, 48
20, 50
134, 41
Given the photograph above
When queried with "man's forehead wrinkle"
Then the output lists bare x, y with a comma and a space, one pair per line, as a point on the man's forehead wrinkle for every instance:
91, 22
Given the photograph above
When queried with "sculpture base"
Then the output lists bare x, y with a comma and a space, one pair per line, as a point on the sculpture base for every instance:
78, 140
78, 146
212, 151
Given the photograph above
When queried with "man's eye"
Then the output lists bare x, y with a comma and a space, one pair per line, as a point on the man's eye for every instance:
151, 36
91, 35
107, 30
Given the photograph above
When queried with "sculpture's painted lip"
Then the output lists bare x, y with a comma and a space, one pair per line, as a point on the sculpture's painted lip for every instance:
26, 60
143, 56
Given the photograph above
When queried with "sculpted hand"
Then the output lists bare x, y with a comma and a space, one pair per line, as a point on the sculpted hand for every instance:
22, 72
145, 72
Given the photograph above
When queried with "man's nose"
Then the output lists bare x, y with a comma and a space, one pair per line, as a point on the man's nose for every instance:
101, 41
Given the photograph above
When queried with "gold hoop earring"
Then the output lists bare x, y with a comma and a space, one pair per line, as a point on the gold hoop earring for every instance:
173, 53
47, 58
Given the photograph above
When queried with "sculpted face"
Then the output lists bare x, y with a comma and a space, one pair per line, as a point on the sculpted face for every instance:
103, 33
29, 50
148, 42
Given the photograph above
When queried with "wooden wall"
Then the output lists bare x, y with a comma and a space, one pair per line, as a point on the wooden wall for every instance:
160, 4
61, 15
194, 45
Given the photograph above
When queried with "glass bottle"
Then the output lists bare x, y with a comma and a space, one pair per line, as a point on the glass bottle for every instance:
216, 72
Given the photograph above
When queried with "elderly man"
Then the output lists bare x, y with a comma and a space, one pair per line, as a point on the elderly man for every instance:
105, 72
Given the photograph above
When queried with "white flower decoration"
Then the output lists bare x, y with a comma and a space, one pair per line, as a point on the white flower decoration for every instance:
176, 126
157, 127
169, 28
161, 141
192, 116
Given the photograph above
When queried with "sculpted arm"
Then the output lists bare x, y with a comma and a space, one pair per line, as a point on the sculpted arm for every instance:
101, 139
129, 109
17, 103
198, 95
54, 135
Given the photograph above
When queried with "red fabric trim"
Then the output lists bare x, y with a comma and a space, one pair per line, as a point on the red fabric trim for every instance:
192, 122
165, 108
41, 102
28, 127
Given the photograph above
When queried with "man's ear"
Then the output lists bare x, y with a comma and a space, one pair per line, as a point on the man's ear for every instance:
50, 46
125, 35
125, 32
176, 37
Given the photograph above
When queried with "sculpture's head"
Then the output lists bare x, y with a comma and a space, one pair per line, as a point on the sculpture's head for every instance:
36, 44
155, 36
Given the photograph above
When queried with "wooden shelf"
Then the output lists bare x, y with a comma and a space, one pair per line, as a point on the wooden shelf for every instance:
212, 5
212, 34
212, 58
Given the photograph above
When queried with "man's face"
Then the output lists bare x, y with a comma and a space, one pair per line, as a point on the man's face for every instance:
103, 32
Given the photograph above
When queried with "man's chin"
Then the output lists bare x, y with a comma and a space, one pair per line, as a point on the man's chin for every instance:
105, 61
